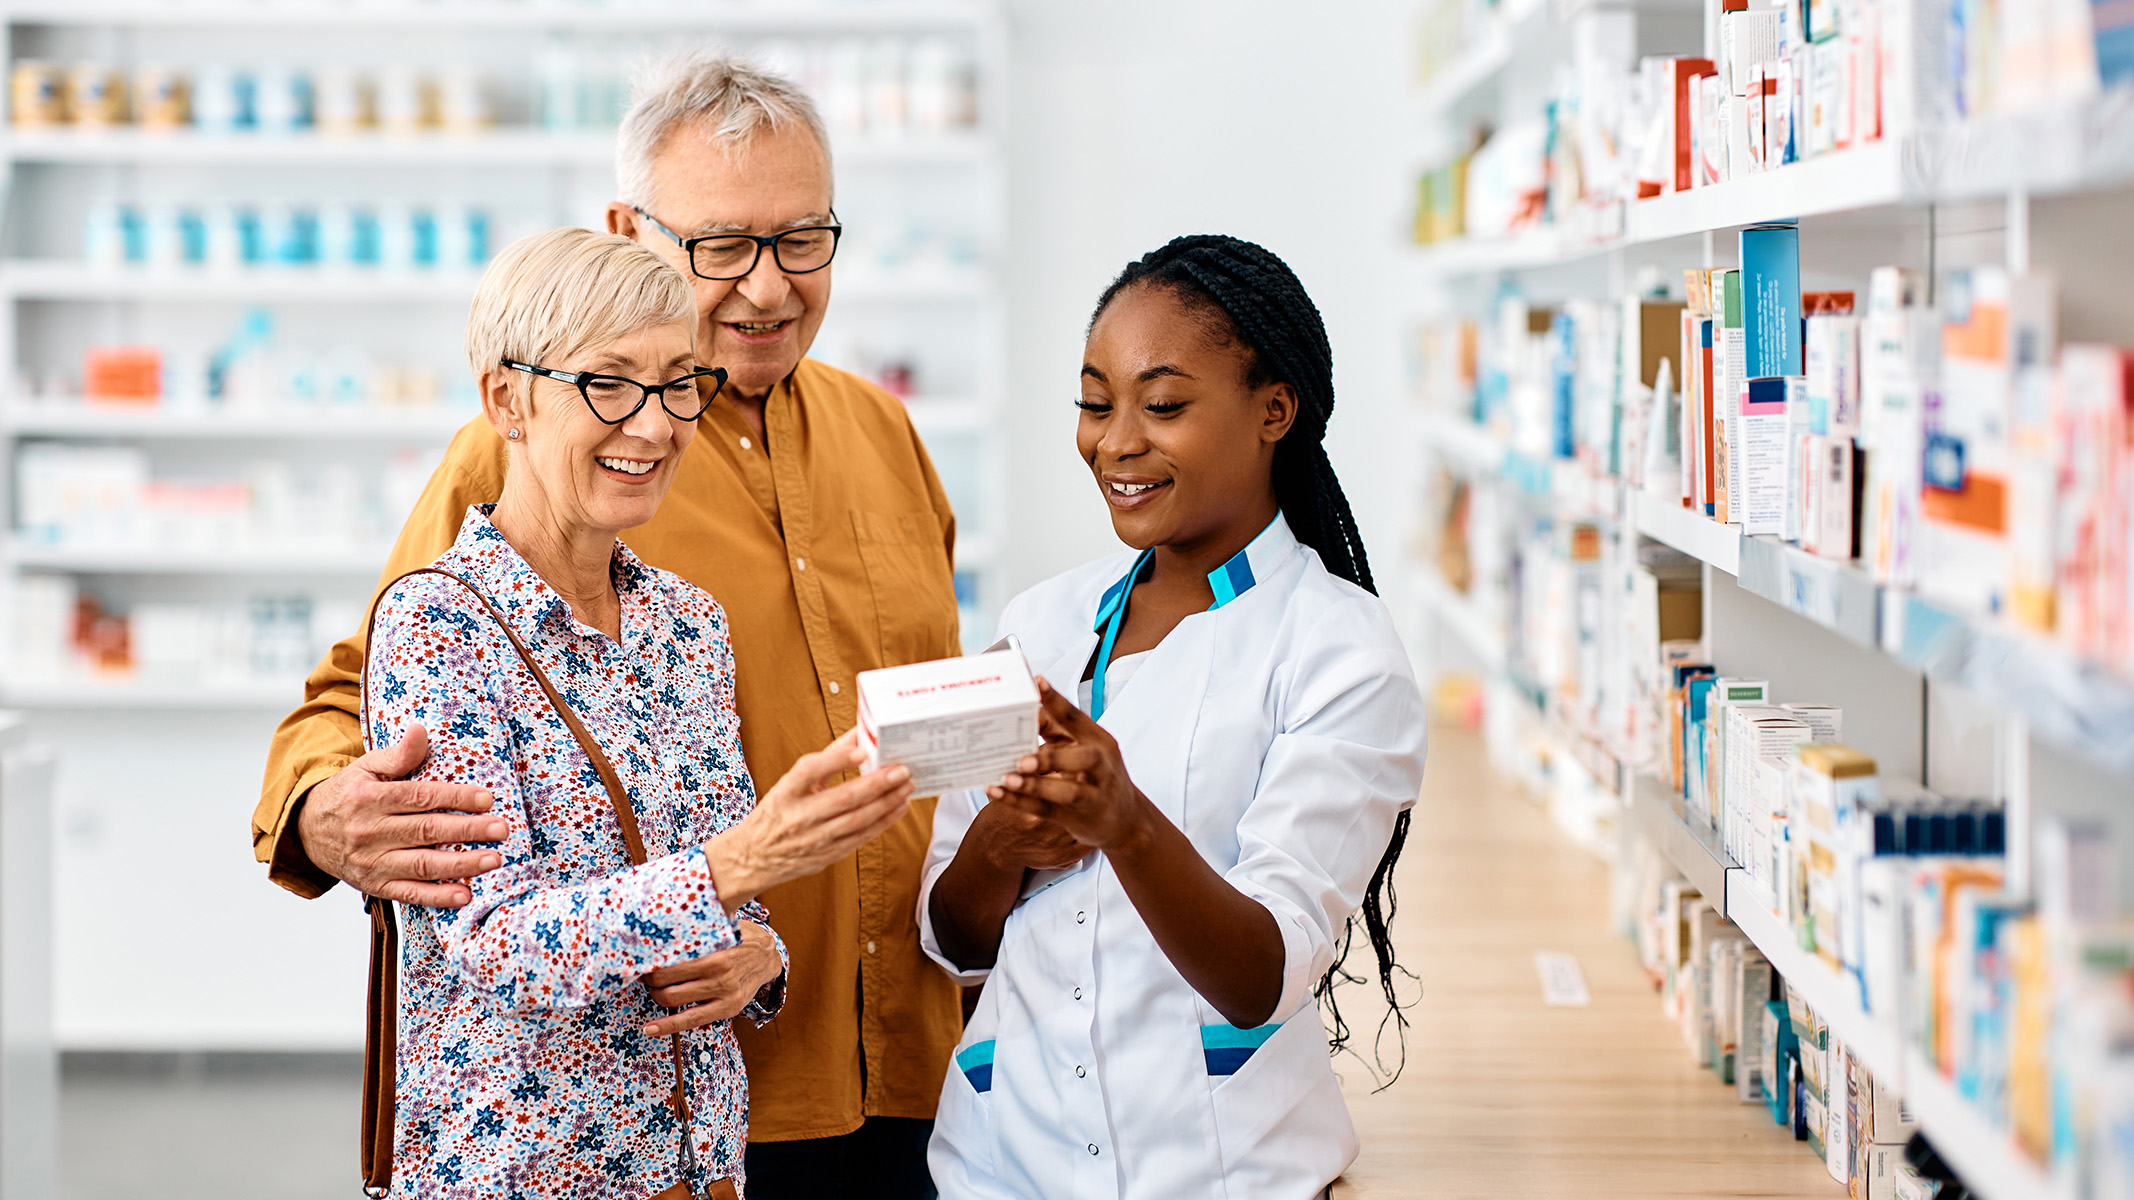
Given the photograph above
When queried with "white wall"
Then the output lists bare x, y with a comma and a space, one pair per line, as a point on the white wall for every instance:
1135, 122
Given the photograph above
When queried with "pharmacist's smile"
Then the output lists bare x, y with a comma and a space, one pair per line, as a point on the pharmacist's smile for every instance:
1129, 492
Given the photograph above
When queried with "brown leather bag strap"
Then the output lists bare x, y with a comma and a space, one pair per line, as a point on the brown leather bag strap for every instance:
382, 1048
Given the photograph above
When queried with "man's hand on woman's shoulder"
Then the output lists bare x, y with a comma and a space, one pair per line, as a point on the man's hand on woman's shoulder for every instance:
371, 828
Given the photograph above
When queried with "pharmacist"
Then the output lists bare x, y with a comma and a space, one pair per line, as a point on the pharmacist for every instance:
1243, 745
809, 509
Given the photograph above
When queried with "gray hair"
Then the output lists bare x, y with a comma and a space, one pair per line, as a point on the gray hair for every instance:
551, 295
731, 97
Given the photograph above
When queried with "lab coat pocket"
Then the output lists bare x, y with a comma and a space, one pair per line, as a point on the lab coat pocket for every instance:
913, 588
1281, 1109
962, 1149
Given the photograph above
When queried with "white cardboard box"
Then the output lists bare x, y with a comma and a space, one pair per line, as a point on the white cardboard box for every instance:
954, 722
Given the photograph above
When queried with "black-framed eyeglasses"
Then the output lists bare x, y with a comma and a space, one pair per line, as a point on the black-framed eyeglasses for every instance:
725, 256
615, 398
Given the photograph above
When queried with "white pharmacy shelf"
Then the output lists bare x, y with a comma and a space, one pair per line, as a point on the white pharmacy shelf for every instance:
1476, 64
398, 16
38, 279
1692, 848
127, 693
2079, 706
1540, 247
1694, 534
1986, 1158
1460, 440
1464, 618
2055, 151
493, 148
1833, 995
150, 560
327, 422
147, 422
1466, 444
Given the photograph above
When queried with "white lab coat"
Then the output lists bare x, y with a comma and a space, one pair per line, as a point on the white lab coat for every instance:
1283, 732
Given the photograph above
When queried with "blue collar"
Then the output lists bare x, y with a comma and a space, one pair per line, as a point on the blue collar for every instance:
1229, 581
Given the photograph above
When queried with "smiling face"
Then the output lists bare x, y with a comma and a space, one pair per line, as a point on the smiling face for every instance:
582, 474
1179, 438
760, 326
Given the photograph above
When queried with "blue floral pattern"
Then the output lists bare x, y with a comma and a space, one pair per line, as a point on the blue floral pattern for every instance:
522, 1071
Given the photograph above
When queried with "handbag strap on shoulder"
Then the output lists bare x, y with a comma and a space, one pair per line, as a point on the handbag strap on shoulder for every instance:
380, 1065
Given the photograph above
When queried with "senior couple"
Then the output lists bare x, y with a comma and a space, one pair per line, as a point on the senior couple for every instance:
611, 782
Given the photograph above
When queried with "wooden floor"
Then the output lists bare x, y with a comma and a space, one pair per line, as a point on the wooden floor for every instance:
1505, 1097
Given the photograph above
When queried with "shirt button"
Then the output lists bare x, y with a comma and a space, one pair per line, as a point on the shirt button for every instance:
1080, 1071
870, 947
1092, 1147
744, 443
1078, 993
801, 563
1082, 916
833, 687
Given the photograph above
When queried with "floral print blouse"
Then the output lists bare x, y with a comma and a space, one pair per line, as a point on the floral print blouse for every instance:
523, 1073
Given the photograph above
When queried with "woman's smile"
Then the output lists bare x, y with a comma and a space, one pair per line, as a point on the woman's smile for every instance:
627, 470
1129, 492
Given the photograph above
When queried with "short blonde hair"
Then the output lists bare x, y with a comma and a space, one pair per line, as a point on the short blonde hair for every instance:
731, 97
550, 295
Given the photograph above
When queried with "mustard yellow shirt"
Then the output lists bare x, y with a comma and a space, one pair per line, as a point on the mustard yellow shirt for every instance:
830, 549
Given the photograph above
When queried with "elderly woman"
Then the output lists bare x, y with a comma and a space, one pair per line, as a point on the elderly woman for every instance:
593, 696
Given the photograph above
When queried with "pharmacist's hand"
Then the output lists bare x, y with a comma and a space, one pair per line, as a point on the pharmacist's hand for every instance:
1012, 840
805, 823
370, 828
715, 987
1077, 779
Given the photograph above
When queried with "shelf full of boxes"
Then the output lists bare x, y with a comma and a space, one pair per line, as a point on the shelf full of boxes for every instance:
1841, 616
230, 250
240, 240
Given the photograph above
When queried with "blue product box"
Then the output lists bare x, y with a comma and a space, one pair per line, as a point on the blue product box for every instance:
1771, 301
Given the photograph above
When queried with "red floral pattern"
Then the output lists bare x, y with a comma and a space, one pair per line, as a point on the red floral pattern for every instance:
523, 1073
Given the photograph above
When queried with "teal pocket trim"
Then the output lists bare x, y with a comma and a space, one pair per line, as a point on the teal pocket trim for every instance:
1230, 1037
976, 1063
974, 1055
1226, 1047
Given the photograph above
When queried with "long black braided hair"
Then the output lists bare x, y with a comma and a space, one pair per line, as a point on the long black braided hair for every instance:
1246, 288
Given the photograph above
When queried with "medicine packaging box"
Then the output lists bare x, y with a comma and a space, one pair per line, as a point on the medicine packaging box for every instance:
953, 722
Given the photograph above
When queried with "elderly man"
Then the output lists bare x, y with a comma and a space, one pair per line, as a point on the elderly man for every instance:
808, 507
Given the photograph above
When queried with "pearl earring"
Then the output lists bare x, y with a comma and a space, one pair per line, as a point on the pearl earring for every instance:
513, 435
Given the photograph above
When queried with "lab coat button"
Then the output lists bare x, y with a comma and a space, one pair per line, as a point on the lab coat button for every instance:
1078, 993
1080, 917
1092, 1147
1080, 1072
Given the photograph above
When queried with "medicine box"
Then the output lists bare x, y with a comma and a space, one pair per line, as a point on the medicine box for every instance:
953, 722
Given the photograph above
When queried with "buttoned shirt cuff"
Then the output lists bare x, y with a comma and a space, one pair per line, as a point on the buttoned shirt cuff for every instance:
771, 996
290, 866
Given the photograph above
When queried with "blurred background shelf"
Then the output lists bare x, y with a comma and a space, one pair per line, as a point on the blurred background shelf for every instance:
668, 16
502, 147
271, 562
33, 419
